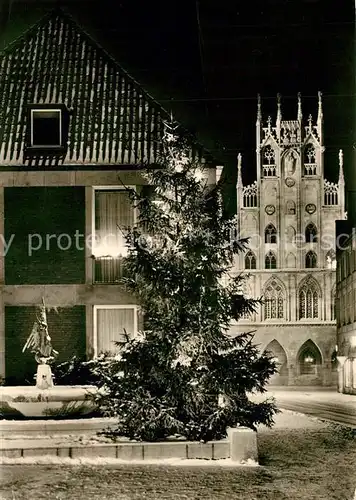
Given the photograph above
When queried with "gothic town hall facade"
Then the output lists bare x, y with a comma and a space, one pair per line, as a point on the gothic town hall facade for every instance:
289, 214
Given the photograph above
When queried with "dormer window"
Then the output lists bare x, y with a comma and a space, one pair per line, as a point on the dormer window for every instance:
46, 128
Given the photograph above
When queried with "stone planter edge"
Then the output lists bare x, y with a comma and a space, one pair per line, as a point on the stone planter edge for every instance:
241, 446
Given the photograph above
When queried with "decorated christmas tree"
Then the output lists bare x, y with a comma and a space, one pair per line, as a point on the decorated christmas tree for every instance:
183, 373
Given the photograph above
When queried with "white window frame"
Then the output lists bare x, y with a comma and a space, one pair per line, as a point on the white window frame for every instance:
47, 110
108, 188
95, 318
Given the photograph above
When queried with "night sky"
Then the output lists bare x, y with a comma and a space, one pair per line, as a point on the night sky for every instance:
208, 60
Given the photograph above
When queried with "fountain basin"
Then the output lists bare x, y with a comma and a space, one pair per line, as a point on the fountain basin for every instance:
55, 402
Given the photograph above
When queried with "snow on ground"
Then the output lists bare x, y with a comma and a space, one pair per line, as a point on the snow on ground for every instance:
47, 460
288, 419
284, 420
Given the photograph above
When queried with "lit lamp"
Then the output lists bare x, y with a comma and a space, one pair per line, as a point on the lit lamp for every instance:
198, 174
201, 174
309, 359
181, 163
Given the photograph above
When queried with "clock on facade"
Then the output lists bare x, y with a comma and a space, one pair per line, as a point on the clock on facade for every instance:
290, 182
270, 209
310, 208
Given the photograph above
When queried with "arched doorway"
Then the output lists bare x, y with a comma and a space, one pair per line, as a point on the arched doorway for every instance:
275, 349
309, 361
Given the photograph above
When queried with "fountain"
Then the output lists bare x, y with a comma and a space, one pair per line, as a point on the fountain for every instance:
45, 399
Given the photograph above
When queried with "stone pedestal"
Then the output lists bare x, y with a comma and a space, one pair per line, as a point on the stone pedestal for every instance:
243, 445
44, 378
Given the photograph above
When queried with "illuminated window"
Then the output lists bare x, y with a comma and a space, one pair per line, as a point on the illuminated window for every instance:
113, 215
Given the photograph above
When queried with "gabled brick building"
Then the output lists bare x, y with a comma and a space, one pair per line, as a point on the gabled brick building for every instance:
75, 129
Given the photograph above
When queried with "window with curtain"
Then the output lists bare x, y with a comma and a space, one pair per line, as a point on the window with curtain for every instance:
111, 324
114, 213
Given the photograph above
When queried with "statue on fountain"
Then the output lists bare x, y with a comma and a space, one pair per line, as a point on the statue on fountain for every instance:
39, 342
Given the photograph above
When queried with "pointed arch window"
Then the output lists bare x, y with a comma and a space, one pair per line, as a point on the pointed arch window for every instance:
311, 233
270, 261
310, 259
269, 161
310, 160
250, 195
270, 234
250, 260
331, 193
308, 301
273, 301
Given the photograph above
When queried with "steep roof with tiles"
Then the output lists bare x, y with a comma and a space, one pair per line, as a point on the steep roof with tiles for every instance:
112, 119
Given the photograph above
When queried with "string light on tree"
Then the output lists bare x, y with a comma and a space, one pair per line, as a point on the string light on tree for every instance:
174, 378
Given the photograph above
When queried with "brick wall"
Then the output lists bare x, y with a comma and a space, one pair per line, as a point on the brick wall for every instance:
66, 328
44, 211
